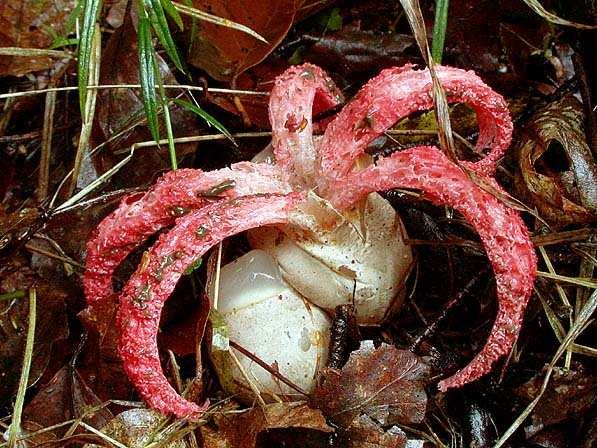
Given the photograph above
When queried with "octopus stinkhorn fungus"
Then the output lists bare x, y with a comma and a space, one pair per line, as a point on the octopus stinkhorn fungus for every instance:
206, 207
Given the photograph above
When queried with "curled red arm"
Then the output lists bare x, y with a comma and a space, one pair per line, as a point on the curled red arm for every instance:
143, 297
395, 94
298, 93
176, 193
501, 230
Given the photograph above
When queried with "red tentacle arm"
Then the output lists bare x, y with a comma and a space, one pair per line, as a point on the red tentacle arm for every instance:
501, 230
298, 93
175, 194
143, 297
395, 94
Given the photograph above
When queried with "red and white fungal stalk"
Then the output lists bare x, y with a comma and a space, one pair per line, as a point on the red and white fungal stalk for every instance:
206, 207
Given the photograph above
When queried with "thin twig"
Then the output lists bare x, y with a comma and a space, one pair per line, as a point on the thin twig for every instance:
245, 374
578, 281
130, 86
15, 425
563, 237
46, 147
48, 254
446, 309
563, 298
103, 436
34, 52
267, 367
194, 139
582, 318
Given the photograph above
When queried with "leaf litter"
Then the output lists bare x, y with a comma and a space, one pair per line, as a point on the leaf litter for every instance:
552, 171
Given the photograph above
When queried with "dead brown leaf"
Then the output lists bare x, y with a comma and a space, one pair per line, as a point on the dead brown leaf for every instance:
137, 428
52, 324
226, 53
100, 363
384, 383
365, 433
556, 170
569, 394
243, 430
64, 397
351, 51
25, 23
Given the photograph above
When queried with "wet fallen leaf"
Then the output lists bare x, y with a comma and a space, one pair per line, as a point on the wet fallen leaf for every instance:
52, 324
365, 433
25, 24
136, 428
384, 383
64, 397
353, 52
569, 394
100, 363
556, 170
116, 12
496, 39
478, 426
244, 430
553, 437
225, 53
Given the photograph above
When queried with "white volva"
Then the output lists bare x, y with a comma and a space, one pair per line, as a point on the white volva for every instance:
269, 319
332, 259
271, 298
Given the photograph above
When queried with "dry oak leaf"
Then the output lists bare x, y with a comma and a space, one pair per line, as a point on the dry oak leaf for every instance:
386, 384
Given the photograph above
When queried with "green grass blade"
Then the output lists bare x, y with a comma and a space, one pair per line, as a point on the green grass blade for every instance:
209, 119
64, 40
439, 29
168, 122
88, 109
90, 12
162, 30
172, 13
189, 11
194, 28
147, 76
169, 133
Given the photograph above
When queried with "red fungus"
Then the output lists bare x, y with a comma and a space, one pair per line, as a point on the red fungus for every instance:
394, 94
176, 193
501, 229
205, 211
144, 295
